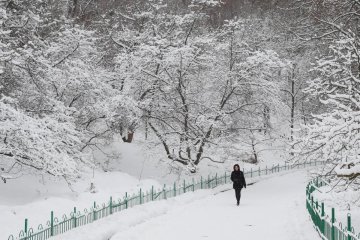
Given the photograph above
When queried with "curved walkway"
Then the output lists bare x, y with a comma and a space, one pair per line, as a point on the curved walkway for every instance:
270, 209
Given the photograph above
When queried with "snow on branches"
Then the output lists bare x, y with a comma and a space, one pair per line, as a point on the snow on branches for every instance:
334, 134
349, 170
44, 143
48, 73
75, 77
201, 88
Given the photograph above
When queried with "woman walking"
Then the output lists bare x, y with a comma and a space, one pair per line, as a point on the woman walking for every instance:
237, 177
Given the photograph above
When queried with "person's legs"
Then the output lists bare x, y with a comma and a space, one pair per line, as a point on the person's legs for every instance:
237, 194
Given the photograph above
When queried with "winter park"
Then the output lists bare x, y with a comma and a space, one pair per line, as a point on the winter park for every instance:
179, 119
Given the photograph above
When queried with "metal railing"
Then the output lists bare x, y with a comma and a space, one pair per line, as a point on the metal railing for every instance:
326, 225
56, 226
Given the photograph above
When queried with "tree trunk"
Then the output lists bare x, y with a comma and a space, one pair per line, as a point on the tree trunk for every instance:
129, 138
72, 8
254, 151
292, 114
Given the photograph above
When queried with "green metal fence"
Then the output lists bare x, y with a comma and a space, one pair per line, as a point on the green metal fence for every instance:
326, 225
56, 226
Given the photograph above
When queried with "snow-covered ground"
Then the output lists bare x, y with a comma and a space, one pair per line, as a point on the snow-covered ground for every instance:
144, 161
35, 200
345, 202
270, 209
34, 196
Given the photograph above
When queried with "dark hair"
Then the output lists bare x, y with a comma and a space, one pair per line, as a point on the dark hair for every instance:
237, 166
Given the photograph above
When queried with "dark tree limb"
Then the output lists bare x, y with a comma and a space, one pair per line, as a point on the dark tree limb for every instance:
189, 32
67, 56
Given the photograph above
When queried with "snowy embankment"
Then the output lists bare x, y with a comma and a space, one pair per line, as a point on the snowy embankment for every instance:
344, 202
19, 203
270, 209
34, 197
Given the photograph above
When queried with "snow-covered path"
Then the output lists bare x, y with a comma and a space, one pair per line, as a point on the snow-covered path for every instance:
270, 209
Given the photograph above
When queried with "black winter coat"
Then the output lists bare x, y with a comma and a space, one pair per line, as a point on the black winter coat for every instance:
238, 179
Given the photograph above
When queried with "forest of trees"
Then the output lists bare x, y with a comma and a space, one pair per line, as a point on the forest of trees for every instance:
191, 75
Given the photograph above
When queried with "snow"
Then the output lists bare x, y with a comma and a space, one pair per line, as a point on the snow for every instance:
42, 193
184, 82
344, 202
41, 196
347, 168
141, 161
270, 209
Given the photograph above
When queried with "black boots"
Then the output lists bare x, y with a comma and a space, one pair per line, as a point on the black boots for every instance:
238, 203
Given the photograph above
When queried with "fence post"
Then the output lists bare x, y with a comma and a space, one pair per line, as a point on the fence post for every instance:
126, 200
332, 224
184, 186
349, 226
140, 196
193, 185
164, 190
322, 218
51, 223
26, 227
312, 201
225, 177
94, 212
208, 181
174, 189
259, 171
152, 192
75, 217
111, 205
201, 182
250, 172
216, 182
